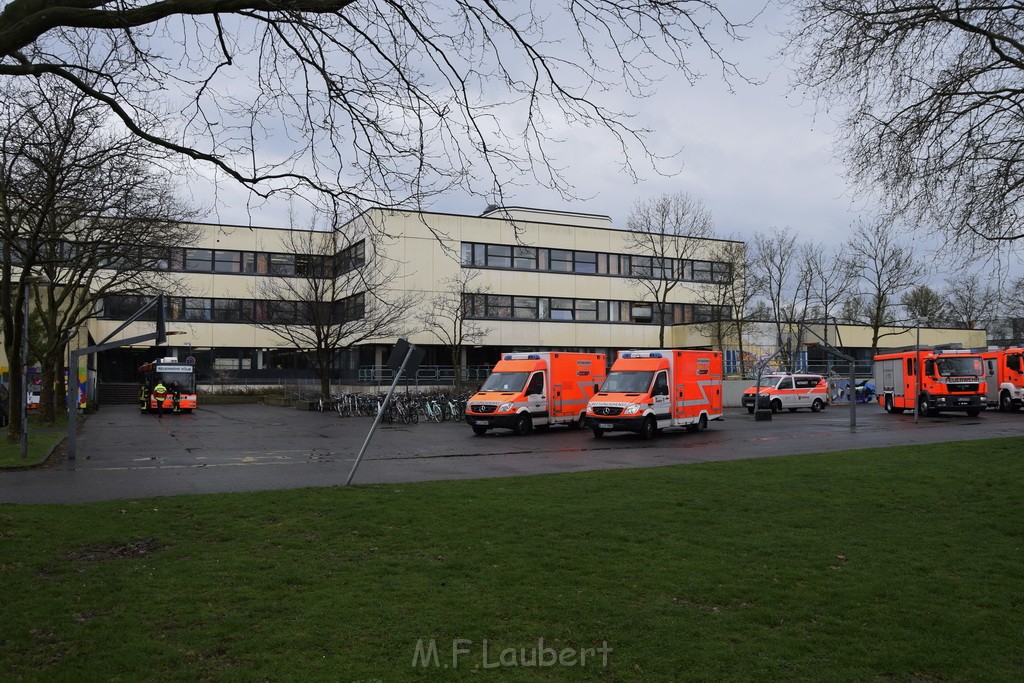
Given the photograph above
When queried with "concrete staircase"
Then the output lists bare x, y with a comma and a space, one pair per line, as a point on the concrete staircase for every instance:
111, 393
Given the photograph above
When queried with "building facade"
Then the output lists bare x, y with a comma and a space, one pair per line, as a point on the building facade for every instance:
542, 280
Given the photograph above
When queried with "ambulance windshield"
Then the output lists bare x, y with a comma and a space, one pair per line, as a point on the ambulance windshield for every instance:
505, 381
960, 367
628, 382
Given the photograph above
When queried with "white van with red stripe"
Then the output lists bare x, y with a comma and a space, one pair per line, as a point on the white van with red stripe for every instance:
790, 392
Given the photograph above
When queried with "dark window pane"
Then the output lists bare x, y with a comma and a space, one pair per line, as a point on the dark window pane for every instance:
525, 258
248, 262
282, 264
585, 262
499, 306
499, 256
561, 260
466, 256
525, 307
198, 260
227, 262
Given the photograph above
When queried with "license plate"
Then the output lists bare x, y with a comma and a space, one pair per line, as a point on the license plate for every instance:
483, 423
605, 425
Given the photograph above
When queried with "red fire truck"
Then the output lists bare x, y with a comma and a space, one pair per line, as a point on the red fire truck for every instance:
1004, 376
178, 378
937, 379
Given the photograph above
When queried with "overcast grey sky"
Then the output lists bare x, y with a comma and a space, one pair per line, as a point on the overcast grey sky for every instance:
757, 157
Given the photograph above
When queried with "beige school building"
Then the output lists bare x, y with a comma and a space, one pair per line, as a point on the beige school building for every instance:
544, 280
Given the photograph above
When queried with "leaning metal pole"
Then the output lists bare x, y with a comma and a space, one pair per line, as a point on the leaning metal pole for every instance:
380, 413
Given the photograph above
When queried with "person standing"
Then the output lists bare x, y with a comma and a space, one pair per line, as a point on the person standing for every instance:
175, 397
160, 393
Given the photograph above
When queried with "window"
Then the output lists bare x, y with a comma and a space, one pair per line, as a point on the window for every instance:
227, 261
524, 307
660, 385
536, 385
640, 313
586, 309
562, 309
198, 260
197, 309
282, 264
586, 262
525, 258
248, 262
561, 261
226, 310
786, 383
499, 256
702, 271
499, 307
640, 266
466, 255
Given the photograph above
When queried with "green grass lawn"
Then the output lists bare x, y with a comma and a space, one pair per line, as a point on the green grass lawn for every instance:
903, 564
41, 440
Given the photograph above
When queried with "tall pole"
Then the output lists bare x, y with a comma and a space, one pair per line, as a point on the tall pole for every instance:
917, 375
380, 414
24, 372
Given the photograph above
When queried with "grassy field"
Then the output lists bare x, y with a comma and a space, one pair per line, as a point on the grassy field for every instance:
902, 564
41, 440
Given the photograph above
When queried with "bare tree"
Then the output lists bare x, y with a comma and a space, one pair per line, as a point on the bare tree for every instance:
885, 268
925, 306
667, 232
448, 316
970, 303
85, 208
934, 99
336, 299
729, 303
380, 101
784, 273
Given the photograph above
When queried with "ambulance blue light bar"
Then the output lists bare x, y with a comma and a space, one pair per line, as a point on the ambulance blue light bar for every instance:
642, 354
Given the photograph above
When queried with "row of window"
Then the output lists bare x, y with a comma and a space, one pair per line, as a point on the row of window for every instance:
502, 307
266, 263
204, 309
477, 255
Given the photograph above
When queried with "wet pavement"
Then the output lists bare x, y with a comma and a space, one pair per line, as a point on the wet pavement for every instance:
124, 454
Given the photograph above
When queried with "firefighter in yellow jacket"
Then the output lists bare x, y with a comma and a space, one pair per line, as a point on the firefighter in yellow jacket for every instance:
160, 393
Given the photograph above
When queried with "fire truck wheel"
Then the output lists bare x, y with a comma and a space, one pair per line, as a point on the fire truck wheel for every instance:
776, 406
598, 433
817, 406
1006, 403
647, 428
523, 424
479, 431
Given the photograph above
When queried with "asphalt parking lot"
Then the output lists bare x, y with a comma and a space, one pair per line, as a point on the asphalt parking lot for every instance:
123, 454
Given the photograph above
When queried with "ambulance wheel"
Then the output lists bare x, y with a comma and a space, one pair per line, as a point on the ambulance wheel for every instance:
647, 428
479, 431
598, 433
702, 423
817, 406
973, 412
523, 424
776, 406
580, 423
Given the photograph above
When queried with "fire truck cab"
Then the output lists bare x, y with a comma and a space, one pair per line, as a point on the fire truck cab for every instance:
931, 380
1004, 378
535, 390
651, 390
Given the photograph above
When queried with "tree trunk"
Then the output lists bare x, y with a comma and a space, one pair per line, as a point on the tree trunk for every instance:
46, 393
17, 390
456, 352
